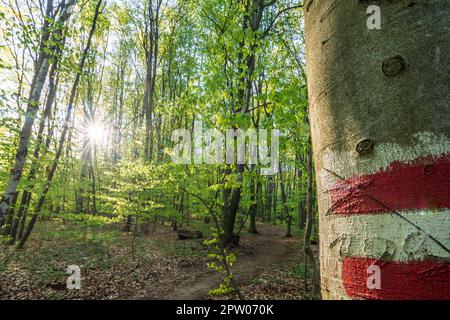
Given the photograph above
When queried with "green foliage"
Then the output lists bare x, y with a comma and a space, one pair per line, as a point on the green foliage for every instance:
299, 271
209, 63
224, 288
222, 261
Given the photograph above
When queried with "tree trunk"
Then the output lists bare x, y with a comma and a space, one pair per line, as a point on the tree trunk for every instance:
284, 203
301, 212
381, 135
127, 226
151, 46
231, 199
274, 202
253, 207
10, 216
27, 194
40, 76
259, 199
309, 255
62, 139
269, 195
251, 21
92, 175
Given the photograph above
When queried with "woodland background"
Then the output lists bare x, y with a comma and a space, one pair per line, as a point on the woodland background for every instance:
90, 94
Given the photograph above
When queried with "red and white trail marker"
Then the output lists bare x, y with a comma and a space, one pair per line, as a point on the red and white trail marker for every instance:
389, 227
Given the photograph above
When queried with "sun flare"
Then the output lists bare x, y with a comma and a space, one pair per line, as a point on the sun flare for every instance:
95, 132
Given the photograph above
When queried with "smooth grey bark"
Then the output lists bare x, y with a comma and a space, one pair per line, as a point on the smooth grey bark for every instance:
10, 216
268, 202
301, 212
389, 87
309, 254
253, 205
259, 199
25, 135
151, 48
40, 75
27, 194
287, 215
93, 180
64, 133
274, 201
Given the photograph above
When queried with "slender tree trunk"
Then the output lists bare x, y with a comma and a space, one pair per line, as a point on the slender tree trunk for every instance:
151, 46
381, 135
40, 76
231, 199
259, 199
82, 202
275, 200
269, 196
92, 174
253, 207
65, 129
301, 212
251, 22
10, 216
127, 226
309, 254
27, 194
23, 220
186, 208
284, 203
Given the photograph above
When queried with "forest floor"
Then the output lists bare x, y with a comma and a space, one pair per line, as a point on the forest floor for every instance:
117, 265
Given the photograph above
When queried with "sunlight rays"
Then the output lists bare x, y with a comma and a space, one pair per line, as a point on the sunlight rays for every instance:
94, 133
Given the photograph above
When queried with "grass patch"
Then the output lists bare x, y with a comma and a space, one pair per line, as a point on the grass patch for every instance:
185, 248
300, 272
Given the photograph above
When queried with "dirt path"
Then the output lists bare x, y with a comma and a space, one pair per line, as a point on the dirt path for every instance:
162, 267
257, 254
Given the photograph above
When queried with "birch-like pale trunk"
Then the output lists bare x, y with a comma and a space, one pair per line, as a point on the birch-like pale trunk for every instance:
25, 135
27, 194
65, 131
40, 75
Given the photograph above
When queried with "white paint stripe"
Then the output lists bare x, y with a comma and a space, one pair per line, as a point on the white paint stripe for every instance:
349, 164
388, 236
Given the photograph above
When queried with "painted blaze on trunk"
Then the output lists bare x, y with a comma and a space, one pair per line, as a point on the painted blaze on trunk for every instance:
379, 102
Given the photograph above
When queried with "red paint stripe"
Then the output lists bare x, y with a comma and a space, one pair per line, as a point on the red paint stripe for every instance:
420, 280
421, 184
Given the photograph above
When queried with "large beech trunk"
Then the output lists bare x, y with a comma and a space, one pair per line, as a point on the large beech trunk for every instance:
379, 103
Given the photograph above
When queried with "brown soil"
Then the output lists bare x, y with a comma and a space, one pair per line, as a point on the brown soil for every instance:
255, 255
268, 266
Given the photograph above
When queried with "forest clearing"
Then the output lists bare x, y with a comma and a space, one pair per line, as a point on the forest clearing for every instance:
224, 150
